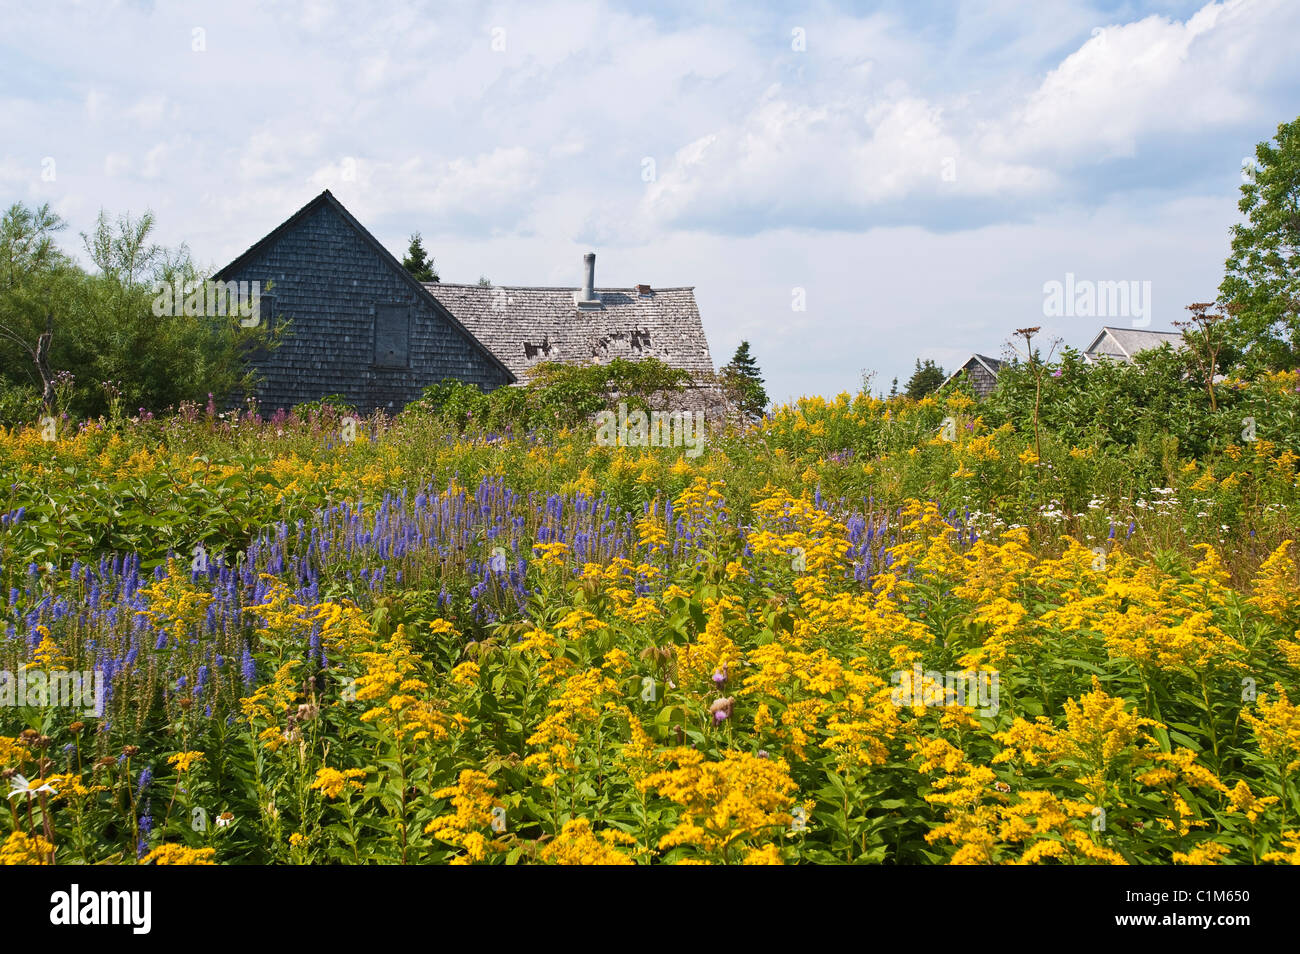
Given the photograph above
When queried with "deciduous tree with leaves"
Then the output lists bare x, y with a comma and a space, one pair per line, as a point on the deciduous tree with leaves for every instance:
1261, 284
96, 332
36, 280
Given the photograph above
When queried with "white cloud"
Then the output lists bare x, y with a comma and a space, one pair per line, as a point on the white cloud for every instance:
474, 191
95, 101
1133, 82
793, 163
116, 164
836, 148
277, 151
153, 161
149, 110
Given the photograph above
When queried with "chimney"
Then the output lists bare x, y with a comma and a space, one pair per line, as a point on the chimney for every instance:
587, 297
644, 291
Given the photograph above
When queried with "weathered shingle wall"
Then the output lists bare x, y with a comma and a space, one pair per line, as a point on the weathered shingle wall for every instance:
981, 371
982, 382
330, 282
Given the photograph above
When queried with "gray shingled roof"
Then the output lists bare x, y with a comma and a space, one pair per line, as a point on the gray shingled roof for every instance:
1125, 343
524, 326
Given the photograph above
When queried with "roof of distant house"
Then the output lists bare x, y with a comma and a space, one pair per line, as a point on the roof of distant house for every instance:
991, 365
1130, 341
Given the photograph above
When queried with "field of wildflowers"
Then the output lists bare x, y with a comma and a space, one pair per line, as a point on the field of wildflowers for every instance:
863, 631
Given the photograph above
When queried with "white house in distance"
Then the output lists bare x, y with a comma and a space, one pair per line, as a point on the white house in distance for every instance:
1124, 344
1112, 344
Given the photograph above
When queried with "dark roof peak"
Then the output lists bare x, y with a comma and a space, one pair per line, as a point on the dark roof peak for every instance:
328, 198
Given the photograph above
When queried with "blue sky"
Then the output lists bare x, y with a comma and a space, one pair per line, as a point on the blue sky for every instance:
914, 173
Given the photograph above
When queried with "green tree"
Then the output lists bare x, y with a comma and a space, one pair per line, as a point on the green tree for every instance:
742, 382
97, 333
924, 380
418, 262
1261, 285
36, 281
1134, 409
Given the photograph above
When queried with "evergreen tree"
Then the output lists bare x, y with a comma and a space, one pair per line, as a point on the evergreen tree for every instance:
924, 380
743, 383
418, 262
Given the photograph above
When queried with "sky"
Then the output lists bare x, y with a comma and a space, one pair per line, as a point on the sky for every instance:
848, 186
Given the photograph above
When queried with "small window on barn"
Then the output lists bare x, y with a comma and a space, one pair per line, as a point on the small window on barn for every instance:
392, 335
